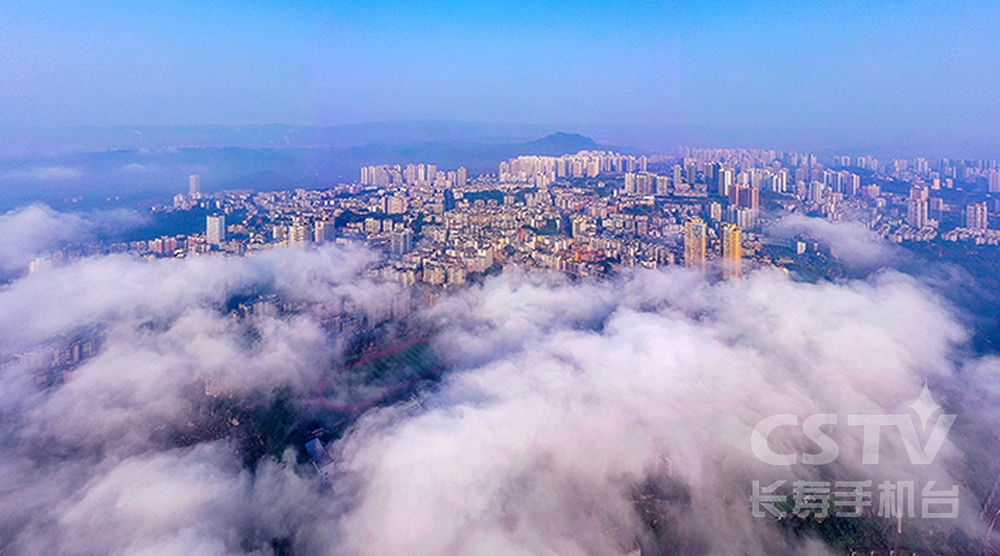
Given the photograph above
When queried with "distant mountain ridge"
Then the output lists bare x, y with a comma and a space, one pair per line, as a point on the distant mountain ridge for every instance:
561, 143
141, 174
645, 137
62, 141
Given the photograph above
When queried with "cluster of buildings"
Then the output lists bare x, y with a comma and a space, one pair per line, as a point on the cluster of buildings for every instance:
545, 170
55, 362
594, 212
414, 175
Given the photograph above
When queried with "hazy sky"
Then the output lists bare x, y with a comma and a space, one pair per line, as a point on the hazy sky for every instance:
885, 69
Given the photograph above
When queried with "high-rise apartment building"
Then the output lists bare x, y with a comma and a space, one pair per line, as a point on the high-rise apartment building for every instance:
629, 186
323, 231
916, 212
725, 178
691, 171
194, 186
711, 172
401, 242
745, 196
851, 183
215, 229
298, 232
743, 217
410, 174
396, 204
976, 216
917, 206
662, 185
732, 250
715, 212
695, 243
920, 192
645, 183
817, 191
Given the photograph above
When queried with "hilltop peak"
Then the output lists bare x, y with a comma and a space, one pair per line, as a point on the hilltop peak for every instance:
562, 143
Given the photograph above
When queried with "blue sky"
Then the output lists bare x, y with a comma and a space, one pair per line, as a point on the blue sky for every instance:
881, 70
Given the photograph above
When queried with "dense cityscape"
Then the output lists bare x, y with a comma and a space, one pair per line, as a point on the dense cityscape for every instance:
591, 216
499, 278
721, 213
594, 213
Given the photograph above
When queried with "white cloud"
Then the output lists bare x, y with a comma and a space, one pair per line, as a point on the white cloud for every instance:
28, 231
135, 168
562, 399
49, 173
850, 242
567, 402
